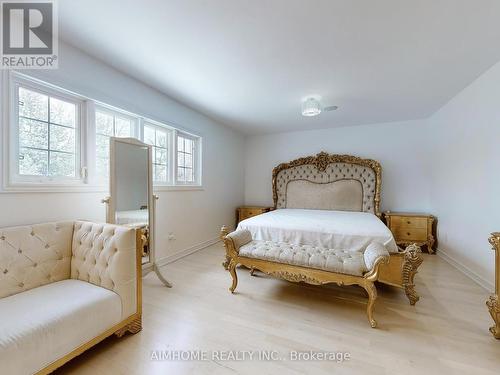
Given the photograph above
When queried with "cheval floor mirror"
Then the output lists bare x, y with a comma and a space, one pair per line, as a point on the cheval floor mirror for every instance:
131, 200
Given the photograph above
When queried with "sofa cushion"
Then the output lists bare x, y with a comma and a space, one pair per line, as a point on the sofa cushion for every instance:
43, 324
340, 261
34, 255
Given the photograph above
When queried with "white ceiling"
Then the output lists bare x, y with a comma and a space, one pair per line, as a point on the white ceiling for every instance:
249, 63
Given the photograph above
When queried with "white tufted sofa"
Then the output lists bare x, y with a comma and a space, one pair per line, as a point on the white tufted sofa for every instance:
64, 287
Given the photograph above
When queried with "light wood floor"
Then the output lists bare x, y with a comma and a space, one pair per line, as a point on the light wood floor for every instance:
445, 333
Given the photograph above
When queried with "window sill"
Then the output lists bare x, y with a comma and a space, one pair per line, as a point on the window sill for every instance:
158, 188
46, 188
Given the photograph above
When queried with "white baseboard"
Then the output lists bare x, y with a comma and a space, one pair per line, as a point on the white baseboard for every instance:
184, 253
487, 285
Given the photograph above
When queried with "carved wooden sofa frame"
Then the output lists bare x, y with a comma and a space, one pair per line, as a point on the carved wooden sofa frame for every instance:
298, 274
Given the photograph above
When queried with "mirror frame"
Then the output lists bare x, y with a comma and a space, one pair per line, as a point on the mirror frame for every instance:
111, 212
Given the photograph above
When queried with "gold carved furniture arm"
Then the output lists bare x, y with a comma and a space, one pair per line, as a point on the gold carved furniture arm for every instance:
493, 302
374, 255
232, 242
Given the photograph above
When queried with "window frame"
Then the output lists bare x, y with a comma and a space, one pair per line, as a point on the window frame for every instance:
170, 132
13, 180
86, 178
92, 145
196, 159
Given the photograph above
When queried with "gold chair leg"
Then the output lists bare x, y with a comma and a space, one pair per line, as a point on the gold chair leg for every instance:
232, 271
372, 296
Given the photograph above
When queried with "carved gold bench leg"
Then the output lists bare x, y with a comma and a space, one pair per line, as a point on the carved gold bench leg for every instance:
224, 231
232, 271
412, 260
372, 297
133, 327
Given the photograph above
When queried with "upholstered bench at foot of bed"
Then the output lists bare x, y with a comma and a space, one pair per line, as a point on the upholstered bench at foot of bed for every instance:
339, 261
304, 263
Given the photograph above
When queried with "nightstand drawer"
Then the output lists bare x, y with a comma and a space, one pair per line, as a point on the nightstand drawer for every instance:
410, 233
408, 227
245, 213
408, 222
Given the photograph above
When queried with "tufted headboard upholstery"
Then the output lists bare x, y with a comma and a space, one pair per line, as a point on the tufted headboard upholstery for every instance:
330, 182
35, 255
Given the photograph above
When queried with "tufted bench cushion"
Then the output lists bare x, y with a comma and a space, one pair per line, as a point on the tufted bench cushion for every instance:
332, 260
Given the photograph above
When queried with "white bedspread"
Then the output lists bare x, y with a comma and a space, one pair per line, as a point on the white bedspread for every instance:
343, 230
132, 217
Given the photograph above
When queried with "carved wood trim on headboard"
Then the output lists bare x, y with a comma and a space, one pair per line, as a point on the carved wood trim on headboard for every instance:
321, 162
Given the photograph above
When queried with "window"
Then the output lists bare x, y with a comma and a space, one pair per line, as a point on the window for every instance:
46, 122
187, 153
108, 124
159, 138
53, 135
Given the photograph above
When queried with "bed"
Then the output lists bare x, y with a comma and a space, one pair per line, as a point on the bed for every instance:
344, 230
136, 217
333, 201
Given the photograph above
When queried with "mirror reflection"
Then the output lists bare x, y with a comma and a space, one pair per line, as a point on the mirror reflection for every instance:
131, 200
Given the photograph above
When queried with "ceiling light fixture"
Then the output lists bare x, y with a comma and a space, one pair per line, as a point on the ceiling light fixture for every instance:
312, 107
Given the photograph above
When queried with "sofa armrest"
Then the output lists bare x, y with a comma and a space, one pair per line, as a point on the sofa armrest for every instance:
106, 255
374, 254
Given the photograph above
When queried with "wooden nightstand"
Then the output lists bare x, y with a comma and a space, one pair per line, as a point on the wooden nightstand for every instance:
244, 212
410, 228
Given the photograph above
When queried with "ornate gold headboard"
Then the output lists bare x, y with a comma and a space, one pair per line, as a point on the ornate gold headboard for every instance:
328, 181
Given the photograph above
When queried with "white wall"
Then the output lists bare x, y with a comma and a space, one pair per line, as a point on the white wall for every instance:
465, 179
400, 148
193, 216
